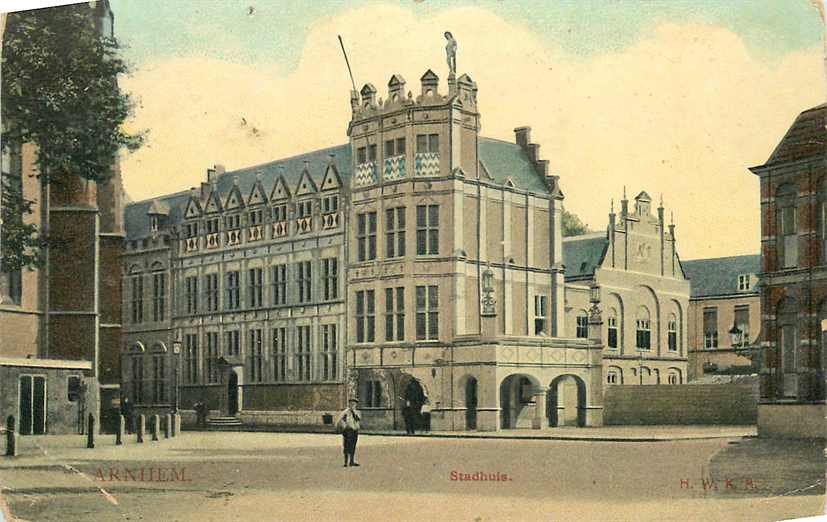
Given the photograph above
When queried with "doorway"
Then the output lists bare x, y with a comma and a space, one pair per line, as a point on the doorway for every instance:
32, 405
471, 404
232, 394
415, 396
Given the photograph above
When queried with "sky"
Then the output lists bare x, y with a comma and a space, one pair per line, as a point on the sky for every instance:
673, 97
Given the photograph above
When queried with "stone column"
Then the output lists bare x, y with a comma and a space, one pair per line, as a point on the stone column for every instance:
120, 429
139, 432
156, 420
539, 421
594, 386
167, 426
176, 424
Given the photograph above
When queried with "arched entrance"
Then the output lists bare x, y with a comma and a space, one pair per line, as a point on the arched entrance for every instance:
232, 393
471, 401
517, 404
413, 397
567, 401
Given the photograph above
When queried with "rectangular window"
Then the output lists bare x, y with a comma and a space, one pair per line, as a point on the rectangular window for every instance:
395, 232
233, 290
330, 276
212, 226
394, 147
330, 204
232, 343
159, 296
395, 314
744, 283
212, 355
672, 335
191, 288
255, 218
389, 149
303, 352
137, 379
304, 282
427, 313
366, 236
644, 335
158, 379
582, 331
191, 229
372, 394
612, 341
742, 322
279, 213
137, 303
305, 208
191, 358
279, 354
788, 246
710, 328
365, 316
372, 152
540, 314
427, 230
212, 292
427, 143
255, 288
256, 358
232, 222
330, 346
361, 155
279, 284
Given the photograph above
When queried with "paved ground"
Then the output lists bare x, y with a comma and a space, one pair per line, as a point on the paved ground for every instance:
266, 476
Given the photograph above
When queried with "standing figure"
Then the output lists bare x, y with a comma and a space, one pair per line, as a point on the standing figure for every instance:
349, 423
451, 52
126, 411
408, 416
426, 415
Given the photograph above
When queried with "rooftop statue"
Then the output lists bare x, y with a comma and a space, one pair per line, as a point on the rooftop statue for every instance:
451, 52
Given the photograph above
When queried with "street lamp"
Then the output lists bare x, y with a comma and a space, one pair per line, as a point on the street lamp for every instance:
176, 351
594, 293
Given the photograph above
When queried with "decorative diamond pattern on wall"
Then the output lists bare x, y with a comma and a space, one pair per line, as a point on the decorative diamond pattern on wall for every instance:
365, 174
394, 168
427, 164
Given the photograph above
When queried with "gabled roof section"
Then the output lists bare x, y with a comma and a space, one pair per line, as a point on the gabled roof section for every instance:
193, 209
213, 205
503, 160
582, 255
396, 80
280, 190
331, 180
258, 196
306, 184
643, 196
719, 276
158, 208
235, 200
807, 137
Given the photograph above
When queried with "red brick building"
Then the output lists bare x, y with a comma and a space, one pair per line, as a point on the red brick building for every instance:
794, 279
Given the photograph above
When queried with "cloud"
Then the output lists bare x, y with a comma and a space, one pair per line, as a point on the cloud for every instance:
684, 111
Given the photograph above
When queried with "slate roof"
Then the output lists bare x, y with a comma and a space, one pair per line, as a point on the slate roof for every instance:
583, 254
806, 137
719, 276
503, 160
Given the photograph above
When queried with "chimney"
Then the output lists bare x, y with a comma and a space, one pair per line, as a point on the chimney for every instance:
523, 136
354, 100
533, 152
542, 167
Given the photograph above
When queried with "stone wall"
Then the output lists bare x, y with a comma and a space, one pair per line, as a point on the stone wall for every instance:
723, 404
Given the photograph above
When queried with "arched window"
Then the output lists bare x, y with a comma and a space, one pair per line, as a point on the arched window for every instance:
789, 359
614, 376
786, 226
821, 221
582, 325
674, 376
644, 329
672, 333
612, 340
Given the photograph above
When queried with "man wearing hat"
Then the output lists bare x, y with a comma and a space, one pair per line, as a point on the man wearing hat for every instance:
348, 422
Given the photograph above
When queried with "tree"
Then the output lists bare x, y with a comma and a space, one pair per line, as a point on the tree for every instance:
572, 226
60, 94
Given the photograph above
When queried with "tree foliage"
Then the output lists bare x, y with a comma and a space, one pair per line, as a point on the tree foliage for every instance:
59, 93
572, 225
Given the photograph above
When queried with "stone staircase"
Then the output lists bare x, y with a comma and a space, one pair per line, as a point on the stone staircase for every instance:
224, 423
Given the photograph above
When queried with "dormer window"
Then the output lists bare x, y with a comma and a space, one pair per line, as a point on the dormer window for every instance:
191, 229
280, 213
305, 208
255, 217
212, 226
154, 223
232, 222
330, 204
744, 283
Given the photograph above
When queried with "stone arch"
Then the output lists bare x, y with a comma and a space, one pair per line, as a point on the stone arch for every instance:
136, 347
674, 376
615, 371
517, 392
560, 401
469, 390
159, 346
614, 302
157, 265
676, 310
649, 298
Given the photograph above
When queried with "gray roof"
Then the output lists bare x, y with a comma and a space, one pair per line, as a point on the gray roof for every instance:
583, 254
719, 276
505, 160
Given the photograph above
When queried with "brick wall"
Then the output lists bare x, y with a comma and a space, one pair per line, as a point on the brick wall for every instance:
724, 404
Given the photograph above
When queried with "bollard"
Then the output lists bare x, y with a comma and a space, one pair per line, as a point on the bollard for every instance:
156, 421
141, 427
11, 437
176, 425
90, 432
120, 429
167, 426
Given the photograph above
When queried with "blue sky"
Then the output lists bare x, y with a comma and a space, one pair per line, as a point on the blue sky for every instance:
276, 31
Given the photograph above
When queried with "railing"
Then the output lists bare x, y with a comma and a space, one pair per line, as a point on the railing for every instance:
280, 229
330, 221
213, 240
394, 168
304, 225
365, 174
233, 237
427, 164
254, 233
